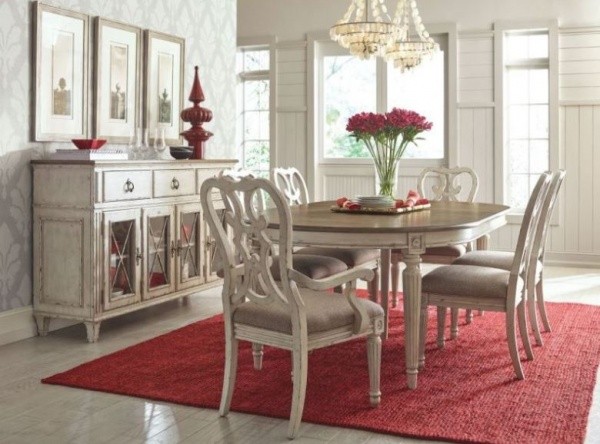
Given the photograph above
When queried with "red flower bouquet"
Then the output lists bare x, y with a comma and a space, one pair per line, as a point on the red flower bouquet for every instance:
386, 137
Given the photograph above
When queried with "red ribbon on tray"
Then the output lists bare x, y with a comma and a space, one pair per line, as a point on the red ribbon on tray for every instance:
413, 198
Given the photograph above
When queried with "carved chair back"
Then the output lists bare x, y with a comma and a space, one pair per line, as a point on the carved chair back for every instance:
539, 243
291, 183
527, 234
447, 188
245, 246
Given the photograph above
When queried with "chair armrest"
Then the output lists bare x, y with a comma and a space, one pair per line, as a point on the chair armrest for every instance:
332, 281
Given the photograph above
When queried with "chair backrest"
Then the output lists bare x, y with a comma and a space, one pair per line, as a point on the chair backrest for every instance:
528, 228
244, 244
539, 243
291, 183
447, 189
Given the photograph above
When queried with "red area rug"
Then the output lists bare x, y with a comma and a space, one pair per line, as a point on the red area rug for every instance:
467, 392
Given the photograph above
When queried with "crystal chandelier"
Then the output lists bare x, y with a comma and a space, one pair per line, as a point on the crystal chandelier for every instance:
411, 42
362, 33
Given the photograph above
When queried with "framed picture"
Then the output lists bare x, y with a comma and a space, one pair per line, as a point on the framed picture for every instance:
61, 73
117, 68
163, 99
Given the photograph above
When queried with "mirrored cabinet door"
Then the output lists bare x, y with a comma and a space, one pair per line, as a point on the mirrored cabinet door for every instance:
122, 246
190, 259
160, 249
212, 262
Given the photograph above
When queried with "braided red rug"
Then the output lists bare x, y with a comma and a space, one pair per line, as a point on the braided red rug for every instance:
467, 392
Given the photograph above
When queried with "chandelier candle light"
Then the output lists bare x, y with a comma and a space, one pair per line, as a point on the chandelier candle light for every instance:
403, 40
387, 136
364, 36
411, 42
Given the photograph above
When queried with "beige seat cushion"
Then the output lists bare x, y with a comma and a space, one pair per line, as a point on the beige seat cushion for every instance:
448, 251
467, 280
490, 258
352, 257
324, 311
311, 265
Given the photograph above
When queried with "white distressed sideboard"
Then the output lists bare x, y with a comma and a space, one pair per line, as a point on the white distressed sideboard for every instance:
112, 237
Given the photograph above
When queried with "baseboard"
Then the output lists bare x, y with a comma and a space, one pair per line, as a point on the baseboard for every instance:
582, 260
18, 324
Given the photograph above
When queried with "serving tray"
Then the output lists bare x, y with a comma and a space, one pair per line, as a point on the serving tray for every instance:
366, 210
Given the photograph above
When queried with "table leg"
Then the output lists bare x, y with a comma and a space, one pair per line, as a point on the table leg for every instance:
411, 286
385, 288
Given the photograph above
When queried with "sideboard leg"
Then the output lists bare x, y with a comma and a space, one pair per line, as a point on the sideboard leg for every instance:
43, 324
93, 331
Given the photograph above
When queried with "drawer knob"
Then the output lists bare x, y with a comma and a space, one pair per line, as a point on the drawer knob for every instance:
174, 184
129, 186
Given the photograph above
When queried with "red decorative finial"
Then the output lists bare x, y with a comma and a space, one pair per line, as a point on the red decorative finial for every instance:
196, 115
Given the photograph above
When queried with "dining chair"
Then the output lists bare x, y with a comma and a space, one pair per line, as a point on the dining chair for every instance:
312, 265
293, 186
503, 259
294, 312
487, 288
444, 188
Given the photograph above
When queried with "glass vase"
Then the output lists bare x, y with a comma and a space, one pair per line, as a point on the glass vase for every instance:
386, 178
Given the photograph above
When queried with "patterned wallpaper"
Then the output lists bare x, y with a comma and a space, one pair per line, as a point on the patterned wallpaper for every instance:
209, 27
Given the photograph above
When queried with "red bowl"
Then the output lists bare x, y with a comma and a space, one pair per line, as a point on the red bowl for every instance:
88, 144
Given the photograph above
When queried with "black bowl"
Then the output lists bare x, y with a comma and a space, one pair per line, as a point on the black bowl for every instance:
181, 148
181, 155
181, 152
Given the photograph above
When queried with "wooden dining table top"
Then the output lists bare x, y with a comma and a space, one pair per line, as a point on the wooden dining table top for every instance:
317, 216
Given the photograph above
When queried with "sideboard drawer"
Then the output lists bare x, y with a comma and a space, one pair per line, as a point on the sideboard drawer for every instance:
204, 174
127, 185
174, 183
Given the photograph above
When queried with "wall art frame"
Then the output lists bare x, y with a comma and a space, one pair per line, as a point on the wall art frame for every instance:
60, 73
117, 80
164, 61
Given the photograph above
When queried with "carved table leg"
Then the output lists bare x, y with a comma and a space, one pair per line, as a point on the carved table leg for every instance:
93, 331
411, 285
483, 243
385, 289
257, 355
43, 324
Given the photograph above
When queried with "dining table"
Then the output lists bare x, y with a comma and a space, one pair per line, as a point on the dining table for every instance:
444, 223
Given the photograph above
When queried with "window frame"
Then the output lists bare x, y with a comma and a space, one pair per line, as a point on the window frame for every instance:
262, 43
501, 29
315, 158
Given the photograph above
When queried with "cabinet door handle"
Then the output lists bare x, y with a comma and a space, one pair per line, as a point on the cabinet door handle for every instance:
138, 256
174, 184
174, 249
129, 186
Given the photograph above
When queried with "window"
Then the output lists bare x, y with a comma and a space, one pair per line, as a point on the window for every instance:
526, 113
253, 97
348, 85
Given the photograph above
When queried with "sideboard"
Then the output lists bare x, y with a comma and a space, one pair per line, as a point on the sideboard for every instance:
112, 237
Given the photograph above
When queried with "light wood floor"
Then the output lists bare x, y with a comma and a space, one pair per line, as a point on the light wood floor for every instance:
31, 412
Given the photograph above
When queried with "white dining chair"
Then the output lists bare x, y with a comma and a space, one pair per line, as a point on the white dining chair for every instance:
504, 259
294, 312
445, 187
312, 265
293, 186
486, 288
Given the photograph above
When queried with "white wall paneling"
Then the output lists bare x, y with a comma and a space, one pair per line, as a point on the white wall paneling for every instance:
575, 235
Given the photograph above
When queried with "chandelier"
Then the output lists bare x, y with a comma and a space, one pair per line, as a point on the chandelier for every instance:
412, 42
362, 33
403, 40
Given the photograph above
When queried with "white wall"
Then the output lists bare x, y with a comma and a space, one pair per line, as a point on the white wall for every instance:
577, 237
209, 28
292, 19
